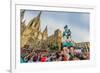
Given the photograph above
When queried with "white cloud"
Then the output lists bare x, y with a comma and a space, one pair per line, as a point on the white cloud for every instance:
52, 25
79, 34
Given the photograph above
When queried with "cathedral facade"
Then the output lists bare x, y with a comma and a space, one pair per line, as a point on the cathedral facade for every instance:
55, 39
31, 34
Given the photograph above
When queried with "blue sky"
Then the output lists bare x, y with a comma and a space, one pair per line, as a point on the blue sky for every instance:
78, 22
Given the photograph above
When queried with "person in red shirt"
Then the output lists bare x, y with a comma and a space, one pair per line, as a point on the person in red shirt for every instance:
43, 59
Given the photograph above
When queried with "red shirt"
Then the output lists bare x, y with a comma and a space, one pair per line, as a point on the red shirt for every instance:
43, 59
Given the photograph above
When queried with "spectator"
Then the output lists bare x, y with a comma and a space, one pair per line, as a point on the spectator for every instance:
43, 59
72, 52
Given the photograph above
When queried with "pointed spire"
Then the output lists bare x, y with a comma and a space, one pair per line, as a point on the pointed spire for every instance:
30, 22
45, 33
45, 30
22, 14
39, 14
35, 22
23, 22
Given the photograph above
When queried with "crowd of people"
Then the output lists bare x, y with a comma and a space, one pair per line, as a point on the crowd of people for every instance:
64, 54
68, 52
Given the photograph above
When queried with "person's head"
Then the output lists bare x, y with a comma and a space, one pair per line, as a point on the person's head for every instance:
86, 55
71, 49
66, 28
65, 50
57, 55
69, 30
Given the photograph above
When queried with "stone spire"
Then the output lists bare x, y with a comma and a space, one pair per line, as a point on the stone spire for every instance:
22, 15
23, 26
39, 15
45, 33
35, 22
45, 30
